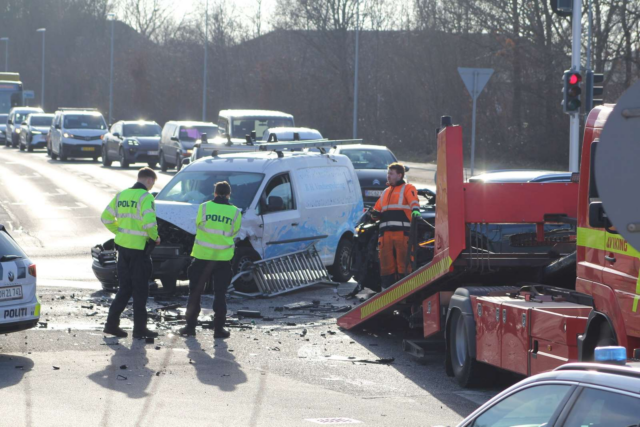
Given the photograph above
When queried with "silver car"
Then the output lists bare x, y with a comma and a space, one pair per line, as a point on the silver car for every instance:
34, 131
573, 395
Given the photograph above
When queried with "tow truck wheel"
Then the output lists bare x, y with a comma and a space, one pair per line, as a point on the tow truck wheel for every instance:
467, 371
603, 336
242, 259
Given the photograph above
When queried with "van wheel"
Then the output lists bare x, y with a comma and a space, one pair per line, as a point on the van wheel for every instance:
21, 146
163, 162
178, 163
63, 156
341, 268
242, 260
29, 147
467, 370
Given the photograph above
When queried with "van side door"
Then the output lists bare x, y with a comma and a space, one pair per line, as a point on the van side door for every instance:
282, 233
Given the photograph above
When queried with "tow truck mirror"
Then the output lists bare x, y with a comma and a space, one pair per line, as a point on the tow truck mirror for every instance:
597, 216
175, 138
116, 134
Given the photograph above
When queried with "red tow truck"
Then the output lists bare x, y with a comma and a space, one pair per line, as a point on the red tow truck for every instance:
520, 312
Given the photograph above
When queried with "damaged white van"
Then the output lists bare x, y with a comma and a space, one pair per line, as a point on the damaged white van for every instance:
289, 200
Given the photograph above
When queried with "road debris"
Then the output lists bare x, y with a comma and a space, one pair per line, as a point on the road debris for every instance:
249, 313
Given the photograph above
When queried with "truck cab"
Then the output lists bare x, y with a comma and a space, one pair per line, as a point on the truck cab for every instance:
237, 124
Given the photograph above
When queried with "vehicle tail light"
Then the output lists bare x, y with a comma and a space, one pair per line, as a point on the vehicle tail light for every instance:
32, 270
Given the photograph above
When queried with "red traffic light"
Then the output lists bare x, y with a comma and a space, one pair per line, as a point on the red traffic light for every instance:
575, 78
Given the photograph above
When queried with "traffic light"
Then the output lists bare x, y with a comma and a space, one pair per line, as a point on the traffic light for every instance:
562, 7
571, 101
593, 90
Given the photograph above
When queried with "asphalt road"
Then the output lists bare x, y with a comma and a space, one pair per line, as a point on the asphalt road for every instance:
293, 370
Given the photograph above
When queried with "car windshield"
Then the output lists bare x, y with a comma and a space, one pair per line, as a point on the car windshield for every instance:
9, 247
41, 121
142, 129
369, 159
21, 116
243, 126
194, 133
84, 121
197, 187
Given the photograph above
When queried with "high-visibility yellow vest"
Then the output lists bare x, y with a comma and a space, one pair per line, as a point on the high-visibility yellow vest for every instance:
217, 225
131, 216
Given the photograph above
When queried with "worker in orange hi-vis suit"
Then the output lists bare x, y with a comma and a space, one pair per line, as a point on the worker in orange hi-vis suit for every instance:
397, 204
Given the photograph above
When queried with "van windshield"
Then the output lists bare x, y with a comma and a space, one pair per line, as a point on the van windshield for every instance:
197, 187
84, 121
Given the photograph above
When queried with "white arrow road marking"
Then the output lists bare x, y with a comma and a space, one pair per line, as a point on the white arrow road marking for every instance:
58, 192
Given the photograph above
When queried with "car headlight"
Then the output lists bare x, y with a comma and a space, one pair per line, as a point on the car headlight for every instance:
18, 130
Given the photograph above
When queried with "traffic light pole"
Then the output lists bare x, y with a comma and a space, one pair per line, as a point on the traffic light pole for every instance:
574, 129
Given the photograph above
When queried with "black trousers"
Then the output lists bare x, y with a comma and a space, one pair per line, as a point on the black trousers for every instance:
200, 273
134, 271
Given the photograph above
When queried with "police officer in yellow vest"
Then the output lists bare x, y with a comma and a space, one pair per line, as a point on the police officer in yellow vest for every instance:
131, 216
217, 223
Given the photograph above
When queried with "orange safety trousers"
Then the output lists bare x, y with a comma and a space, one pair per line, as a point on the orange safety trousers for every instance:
393, 247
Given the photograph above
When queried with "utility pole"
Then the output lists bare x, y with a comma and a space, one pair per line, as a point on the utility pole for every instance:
204, 79
574, 129
111, 17
43, 31
6, 53
355, 76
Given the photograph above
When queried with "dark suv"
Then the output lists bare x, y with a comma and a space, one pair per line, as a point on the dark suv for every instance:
131, 142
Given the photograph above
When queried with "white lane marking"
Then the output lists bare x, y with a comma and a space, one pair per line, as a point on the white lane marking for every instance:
58, 192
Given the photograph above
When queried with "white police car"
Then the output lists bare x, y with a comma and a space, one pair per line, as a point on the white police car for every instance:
573, 395
19, 305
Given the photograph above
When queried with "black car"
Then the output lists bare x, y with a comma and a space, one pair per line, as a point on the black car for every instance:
131, 142
370, 163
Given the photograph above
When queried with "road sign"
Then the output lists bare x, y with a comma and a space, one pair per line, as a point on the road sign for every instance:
475, 79
28, 94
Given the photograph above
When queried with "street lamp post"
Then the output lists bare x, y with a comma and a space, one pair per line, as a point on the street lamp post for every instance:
204, 78
43, 31
111, 17
355, 74
6, 53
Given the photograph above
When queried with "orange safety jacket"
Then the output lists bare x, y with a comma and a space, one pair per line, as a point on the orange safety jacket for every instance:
395, 206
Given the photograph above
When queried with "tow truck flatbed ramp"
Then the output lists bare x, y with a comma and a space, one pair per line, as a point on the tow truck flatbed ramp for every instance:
463, 205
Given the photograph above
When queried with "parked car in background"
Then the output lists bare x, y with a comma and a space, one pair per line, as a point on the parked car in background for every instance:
132, 142
370, 163
3, 128
237, 124
19, 304
34, 130
14, 123
177, 141
77, 133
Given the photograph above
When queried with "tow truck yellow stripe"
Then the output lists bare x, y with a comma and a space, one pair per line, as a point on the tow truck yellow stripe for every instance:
396, 293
